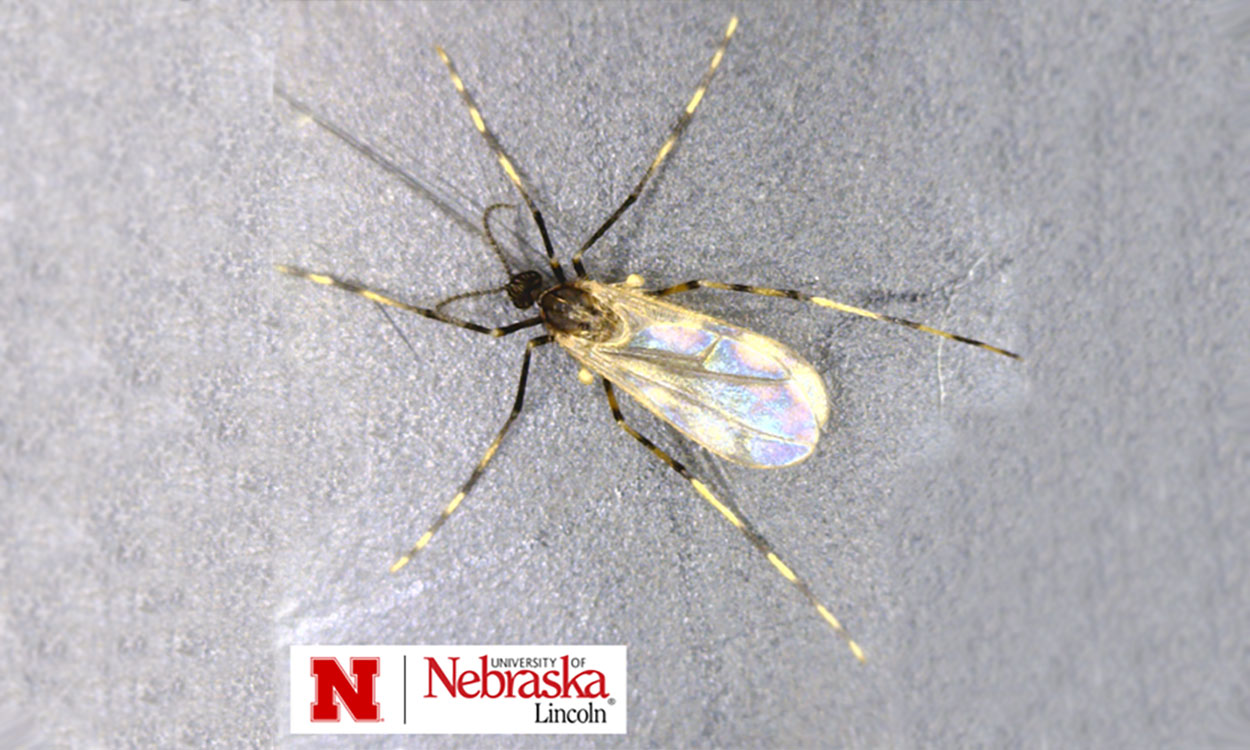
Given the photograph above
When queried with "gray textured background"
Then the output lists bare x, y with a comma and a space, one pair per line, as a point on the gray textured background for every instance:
204, 462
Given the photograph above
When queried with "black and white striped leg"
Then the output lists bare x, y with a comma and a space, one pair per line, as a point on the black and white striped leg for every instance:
504, 162
326, 279
481, 465
831, 304
738, 522
669, 142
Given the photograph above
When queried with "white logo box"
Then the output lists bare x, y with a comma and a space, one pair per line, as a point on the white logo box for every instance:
458, 689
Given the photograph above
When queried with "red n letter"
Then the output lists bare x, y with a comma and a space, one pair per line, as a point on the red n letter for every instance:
356, 693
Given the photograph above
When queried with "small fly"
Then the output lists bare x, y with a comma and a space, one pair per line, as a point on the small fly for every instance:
740, 395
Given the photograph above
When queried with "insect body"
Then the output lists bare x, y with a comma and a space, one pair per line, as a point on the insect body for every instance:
742, 396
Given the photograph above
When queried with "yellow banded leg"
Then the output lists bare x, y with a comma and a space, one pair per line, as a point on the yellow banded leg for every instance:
738, 522
326, 279
669, 142
505, 163
481, 465
831, 304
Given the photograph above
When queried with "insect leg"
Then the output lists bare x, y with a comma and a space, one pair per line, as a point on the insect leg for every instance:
373, 296
738, 521
678, 129
823, 302
504, 162
533, 343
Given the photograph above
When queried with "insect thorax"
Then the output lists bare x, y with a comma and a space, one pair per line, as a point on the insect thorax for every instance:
570, 309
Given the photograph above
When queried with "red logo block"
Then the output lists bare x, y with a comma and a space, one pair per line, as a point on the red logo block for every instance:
357, 693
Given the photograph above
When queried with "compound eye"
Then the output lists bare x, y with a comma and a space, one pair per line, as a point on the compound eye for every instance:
524, 288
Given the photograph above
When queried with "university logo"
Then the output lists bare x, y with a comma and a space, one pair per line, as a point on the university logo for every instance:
458, 689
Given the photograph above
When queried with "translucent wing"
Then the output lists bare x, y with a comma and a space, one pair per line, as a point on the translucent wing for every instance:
741, 395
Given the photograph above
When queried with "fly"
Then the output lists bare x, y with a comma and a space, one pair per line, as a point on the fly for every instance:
740, 395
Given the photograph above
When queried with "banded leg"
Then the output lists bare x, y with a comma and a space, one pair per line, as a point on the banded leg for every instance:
739, 523
373, 296
504, 162
823, 302
533, 343
678, 129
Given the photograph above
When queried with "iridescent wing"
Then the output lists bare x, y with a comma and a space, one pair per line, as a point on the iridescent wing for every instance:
741, 395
